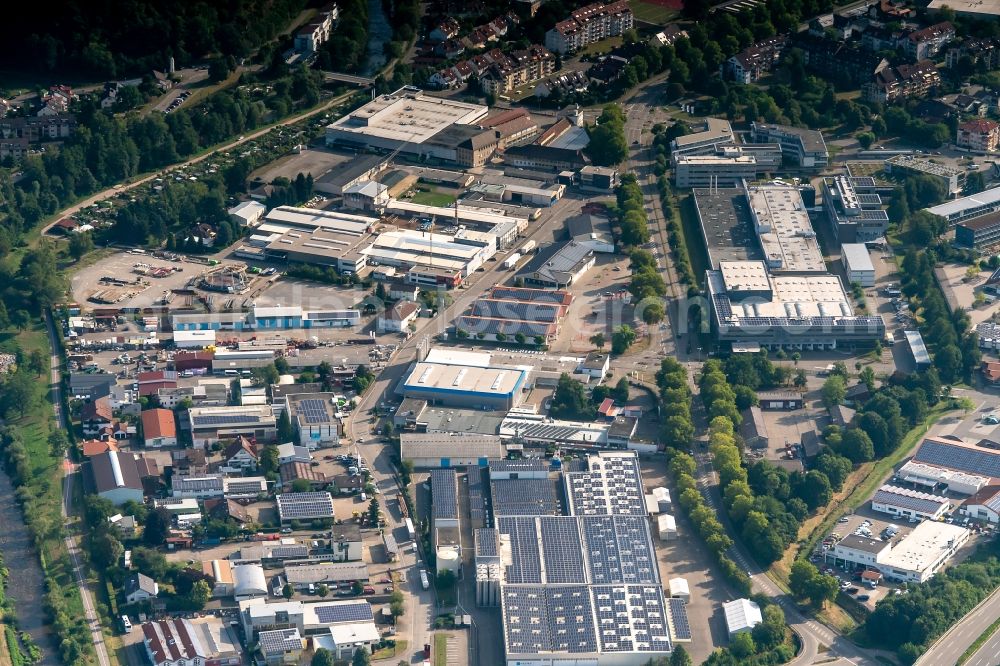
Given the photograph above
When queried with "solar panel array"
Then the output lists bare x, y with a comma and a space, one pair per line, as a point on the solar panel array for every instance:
619, 549
631, 618
477, 503
280, 641
928, 504
562, 550
963, 459
220, 419
680, 628
305, 506
557, 619
444, 494
359, 612
237, 487
313, 410
525, 497
612, 487
487, 542
288, 552
525, 565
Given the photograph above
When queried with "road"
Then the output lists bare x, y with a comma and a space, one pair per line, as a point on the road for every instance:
953, 644
72, 471
118, 189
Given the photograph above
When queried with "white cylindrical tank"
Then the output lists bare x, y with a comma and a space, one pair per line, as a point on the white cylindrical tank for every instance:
448, 560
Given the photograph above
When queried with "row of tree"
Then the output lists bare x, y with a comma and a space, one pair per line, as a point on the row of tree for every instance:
608, 146
647, 286
632, 212
675, 408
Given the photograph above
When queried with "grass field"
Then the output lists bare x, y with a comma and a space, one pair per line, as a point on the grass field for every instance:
397, 650
603, 46
440, 650
432, 198
649, 12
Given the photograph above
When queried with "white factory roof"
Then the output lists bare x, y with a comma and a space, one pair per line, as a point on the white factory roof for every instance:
985, 198
857, 257
310, 218
463, 213
786, 234
793, 296
741, 614
537, 427
982, 8
423, 249
679, 587
915, 472
715, 160
408, 115
441, 377
354, 632
248, 579
744, 275
248, 210
326, 572
444, 445
924, 546
716, 130
204, 337
450, 356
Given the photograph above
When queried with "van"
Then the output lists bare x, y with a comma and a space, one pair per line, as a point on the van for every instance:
126, 624
312, 588
424, 582
364, 497
232, 373
246, 373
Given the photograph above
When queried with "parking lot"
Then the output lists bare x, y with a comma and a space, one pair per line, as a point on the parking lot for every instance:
315, 160
597, 305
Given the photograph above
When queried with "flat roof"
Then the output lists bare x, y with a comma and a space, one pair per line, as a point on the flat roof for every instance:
444, 419
924, 546
443, 378
322, 572
311, 218
985, 198
407, 115
857, 257
792, 296
324, 244
786, 234
864, 544
422, 248
716, 130
304, 506
312, 409
984, 7
449, 355
745, 275
981, 222
924, 166
444, 494
443, 445
917, 347
726, 224
461, 213
812, 140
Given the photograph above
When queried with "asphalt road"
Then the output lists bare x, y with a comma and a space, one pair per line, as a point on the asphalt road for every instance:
989, 653
71, 539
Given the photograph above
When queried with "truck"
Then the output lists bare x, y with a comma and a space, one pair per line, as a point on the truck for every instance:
512, 260
424, 582
528, 247
410, 532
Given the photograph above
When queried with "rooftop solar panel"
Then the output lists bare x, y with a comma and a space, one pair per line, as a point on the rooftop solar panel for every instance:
525, 565
444, 493
313, 410
219, 419
359, 612
562, 550
963, 459
679, 626
279, 641
525, 497
305, 506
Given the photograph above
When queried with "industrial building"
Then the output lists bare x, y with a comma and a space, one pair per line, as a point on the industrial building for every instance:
728, 168
909, 504
560, 269
795, 311
937, 479
339, 626
918, 350
210, 424
512, 316
420, 126
726, 225
408, 248
461, 385
984, 505
304, 507
314, 416
799, 146
951, 177
858, 264
583, 586
854, 209
116, 477
922, 552
433, 450
974, 205
786, 236
526, 427
980, 233
742, 615
959, 456
717, 133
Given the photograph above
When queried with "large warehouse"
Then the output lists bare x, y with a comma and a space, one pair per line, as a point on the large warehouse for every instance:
797, 311
420, 125
465, 385
414, 248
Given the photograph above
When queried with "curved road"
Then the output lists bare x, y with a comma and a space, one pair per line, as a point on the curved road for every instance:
71, 472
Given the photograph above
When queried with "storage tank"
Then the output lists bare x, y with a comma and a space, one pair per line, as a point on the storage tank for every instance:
448, 560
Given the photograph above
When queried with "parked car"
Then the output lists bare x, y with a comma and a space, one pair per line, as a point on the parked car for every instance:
863, 597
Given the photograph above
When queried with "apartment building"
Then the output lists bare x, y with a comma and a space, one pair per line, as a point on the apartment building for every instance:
893, 84
588, 25
979, 135
519, 68
318, 31
927, 43
754, 61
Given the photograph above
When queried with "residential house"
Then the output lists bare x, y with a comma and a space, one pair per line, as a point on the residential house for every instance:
34, 129
984, 53
239, 456
445, 30
978, 135
126, 526
95, 447
928, 42
399, 317
893, 84
95, 416
984, 505
140, 587
608, 69
159, 428
290, 452
226, 509
292, 471
563, 84
189, 462
670, 34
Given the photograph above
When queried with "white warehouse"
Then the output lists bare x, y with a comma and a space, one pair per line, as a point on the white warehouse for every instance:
858, 264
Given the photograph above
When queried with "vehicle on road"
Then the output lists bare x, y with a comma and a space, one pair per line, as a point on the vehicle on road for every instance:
424, 582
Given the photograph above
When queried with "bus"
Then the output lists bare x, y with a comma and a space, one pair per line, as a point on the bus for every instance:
424, 583
410, 532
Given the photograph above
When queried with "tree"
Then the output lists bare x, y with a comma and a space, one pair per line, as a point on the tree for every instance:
265, 375
80, 244
570, 402
742, 646
200, 594
58, 442
680, 657
598, 340
834, 391
268, 461
301, 486
37, 362
653, 313
286, 432
622, 339
374, 511
608, 146
323, 590
288, 591
323, 657
105, 549
621, 391
218, 70
157, 524
361, 657
857, 446
19, 392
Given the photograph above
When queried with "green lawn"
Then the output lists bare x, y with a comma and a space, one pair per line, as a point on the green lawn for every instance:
603, 46
440, 650
432, 198
390, 651
649, 12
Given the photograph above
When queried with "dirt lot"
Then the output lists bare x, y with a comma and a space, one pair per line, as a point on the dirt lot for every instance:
961, 293
316, 161
787, 427
588, 298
